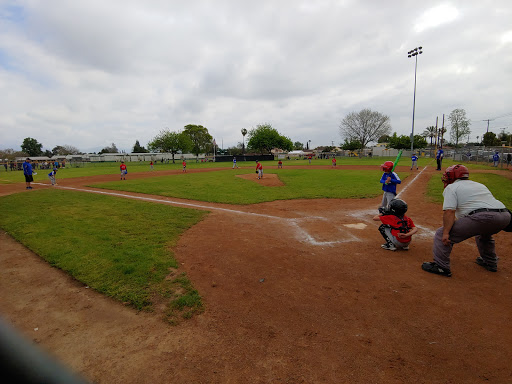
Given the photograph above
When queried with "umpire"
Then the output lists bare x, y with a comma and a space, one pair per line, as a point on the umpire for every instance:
469, 210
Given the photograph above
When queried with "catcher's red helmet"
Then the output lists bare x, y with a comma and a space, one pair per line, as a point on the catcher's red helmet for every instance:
387, 166
454, 172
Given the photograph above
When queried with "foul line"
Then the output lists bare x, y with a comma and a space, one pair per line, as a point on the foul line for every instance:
302, 234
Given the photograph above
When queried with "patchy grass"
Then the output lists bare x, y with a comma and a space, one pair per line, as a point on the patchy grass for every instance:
119, 247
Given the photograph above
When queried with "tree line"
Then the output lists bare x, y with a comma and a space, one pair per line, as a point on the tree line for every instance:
358, 129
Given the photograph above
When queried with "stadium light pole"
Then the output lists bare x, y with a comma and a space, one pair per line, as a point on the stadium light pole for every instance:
414, 53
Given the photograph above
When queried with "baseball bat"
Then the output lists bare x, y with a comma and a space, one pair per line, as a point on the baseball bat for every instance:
397, 159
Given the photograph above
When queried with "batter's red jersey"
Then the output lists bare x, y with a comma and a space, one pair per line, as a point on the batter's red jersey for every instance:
123, 167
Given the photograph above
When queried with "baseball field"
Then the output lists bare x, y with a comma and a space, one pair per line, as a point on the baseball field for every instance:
214, 276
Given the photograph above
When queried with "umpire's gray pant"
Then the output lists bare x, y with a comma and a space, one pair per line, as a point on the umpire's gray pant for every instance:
482, 226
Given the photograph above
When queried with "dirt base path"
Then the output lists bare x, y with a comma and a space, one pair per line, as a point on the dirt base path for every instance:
295, 292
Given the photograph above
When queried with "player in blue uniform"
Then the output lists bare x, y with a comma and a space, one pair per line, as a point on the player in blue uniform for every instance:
389, 180
414, 160
439, 158
51, 176
496, 158
27, 171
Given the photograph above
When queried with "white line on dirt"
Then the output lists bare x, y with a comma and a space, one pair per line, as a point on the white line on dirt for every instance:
302, 234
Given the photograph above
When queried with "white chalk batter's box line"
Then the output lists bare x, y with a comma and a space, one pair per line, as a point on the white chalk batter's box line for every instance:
301, 233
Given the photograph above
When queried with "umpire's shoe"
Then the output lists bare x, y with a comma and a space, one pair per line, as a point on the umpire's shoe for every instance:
481, 262
432, 267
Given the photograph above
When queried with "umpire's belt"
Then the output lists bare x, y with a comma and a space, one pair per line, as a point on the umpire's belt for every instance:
487, 210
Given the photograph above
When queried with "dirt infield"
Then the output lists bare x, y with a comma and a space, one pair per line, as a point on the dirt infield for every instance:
295, 292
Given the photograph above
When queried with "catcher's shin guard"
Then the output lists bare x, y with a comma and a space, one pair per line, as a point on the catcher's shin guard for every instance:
382, 230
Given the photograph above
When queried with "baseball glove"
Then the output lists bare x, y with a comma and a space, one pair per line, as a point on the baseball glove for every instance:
256, 171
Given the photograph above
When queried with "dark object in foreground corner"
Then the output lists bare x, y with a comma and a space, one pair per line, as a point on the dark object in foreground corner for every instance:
23, 362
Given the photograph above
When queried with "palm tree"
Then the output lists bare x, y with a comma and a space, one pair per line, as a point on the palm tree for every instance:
244, 132
429, 132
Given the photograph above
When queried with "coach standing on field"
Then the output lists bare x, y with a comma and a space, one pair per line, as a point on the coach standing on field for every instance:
27, 171
469, 210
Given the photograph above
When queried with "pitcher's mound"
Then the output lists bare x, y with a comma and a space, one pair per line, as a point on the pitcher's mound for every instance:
268, 180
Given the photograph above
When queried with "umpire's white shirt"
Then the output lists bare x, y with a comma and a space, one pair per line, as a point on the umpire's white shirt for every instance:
465, 196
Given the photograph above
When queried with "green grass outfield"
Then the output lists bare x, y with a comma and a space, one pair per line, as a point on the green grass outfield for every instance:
226, 187
95, 169
119, 247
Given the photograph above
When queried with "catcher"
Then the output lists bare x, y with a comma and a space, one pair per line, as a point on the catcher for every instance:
396, 228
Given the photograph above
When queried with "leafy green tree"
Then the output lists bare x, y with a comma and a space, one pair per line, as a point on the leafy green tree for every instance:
364, 126
235, 150
404, 142
351, 145
298, 146
264, 138
65, 150
490, 139
505, 138
459, 125
32, 147
383, 139
201, 139
170, 142
137, 148
110, 149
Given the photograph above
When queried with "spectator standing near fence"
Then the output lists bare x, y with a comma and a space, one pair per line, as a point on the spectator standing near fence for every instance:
509, 159
496, 158
27, 171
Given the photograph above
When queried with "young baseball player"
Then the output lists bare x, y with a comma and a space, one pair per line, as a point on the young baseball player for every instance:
184, 166
333, 161
123, 169
234, 163
414, 160
259, 169
389, 180
51, 176
280, 164
396, 228
151, 165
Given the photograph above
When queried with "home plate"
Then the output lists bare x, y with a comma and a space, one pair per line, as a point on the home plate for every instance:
356, 226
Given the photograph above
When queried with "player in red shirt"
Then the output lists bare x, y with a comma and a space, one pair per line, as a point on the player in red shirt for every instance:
333, 161
259, 169
123, 169
184, 166
396, 228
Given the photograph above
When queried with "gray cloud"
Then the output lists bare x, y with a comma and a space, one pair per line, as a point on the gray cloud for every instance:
89, 73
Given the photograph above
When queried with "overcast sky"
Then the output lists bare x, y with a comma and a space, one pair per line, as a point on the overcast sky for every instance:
89, 73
